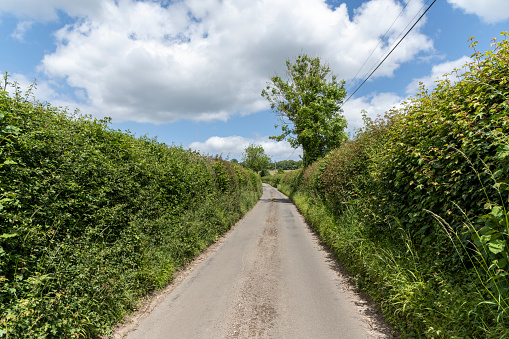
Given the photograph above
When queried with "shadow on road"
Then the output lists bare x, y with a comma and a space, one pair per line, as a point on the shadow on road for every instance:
279, 200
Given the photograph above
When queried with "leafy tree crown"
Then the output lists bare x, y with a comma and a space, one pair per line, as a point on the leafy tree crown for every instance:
308, 106
254, 158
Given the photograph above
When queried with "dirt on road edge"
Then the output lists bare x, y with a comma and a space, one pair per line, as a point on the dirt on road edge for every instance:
148, 303
373, 318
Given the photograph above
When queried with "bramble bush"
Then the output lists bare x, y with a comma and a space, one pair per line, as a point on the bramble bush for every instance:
92, 219
416, 204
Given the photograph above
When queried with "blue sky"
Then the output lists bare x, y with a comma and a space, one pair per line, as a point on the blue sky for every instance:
191, 71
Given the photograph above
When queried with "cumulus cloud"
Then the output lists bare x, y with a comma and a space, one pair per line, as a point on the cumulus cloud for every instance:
45, 91
47, 10
490, 11
21, 28
377, 104
159, 61
437, 73
373, 105
234, 146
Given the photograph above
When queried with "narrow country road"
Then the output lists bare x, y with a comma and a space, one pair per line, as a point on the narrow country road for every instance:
269, 279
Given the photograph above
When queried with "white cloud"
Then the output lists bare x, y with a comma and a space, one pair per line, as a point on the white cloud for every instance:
21, 28
208, 59
234, 146
44, 91
374, 105
437, 73
377, 104
490, 11
47, 10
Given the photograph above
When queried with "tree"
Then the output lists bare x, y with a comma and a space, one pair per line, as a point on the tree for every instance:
287, 164
308, 106
254, 157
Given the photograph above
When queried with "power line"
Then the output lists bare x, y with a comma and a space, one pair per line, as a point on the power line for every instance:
427, 9
410, 22
396, 39
379, 42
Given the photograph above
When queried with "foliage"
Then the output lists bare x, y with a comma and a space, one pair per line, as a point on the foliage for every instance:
264, 172
416, 204
254, 158
308, 105
446, 156
91, 218
287, 165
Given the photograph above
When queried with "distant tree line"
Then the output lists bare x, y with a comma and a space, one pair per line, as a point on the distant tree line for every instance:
286, 165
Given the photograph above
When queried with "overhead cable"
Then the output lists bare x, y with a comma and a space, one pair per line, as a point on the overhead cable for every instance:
388, 54
379, 42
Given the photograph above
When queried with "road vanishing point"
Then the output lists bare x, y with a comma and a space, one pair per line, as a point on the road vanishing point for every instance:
268, 278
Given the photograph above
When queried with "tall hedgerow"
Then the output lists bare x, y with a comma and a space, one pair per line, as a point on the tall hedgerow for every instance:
447, 156
418, 202
91, 218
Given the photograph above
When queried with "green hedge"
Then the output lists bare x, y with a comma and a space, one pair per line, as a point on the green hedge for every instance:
91, 218
416, 205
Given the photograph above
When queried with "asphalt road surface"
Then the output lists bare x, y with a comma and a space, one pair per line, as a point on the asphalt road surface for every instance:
270, 278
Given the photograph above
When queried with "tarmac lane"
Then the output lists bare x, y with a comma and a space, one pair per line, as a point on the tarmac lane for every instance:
270, 278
